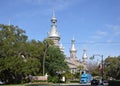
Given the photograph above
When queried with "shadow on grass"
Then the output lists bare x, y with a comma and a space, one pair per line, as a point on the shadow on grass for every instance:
41, 85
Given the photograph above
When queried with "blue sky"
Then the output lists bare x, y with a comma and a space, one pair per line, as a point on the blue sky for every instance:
95, 24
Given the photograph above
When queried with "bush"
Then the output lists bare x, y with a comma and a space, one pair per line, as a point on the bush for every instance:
114, 83
75, 81
53, 79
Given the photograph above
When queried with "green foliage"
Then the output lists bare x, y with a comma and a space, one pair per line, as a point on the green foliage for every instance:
68, 75
114, 83
10, 39
54, 79
77, 75
75, 81
20, 58
95, 72
93, 68
13, 45
55, 61
91, 58
112, 67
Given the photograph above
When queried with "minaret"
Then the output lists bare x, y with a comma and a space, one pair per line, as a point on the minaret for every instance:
73, 50
54, 34
84, 57
61, 47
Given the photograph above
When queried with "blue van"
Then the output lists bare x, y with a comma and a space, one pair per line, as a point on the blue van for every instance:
85, 78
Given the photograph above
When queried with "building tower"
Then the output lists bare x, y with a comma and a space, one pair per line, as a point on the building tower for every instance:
73, 50
53, 34
61, 48
84, 57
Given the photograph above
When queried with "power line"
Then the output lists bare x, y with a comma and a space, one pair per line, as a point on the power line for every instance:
94, 43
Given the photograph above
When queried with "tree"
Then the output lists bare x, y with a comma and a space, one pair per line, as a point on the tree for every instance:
55, 61
112, 67
20, 58
15, 62
10, 39
80, 67
93, 68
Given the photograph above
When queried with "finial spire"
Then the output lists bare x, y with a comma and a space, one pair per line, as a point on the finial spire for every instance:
61, 47
84, 55
53, 20
73, 50
73, 45
54, 34
73, 40
53, 12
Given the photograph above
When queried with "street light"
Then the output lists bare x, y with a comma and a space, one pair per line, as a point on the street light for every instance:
102, 64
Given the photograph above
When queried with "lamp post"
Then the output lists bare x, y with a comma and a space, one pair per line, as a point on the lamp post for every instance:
102, 65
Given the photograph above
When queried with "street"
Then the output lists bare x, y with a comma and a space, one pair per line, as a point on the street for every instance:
77, 84
64, 84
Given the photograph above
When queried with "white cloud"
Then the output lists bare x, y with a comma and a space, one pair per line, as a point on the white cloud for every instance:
109, 41
114, 33
96, 37
44, 7
115, 29
102, 33
57, 4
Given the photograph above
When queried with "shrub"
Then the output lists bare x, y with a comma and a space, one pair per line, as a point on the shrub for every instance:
53, 79
114, 83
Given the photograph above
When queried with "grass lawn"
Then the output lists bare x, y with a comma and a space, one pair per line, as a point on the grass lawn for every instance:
15, 85
29, 85
32, 84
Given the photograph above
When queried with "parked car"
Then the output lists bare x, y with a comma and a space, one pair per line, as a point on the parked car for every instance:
1, 83
94, 82
105, 82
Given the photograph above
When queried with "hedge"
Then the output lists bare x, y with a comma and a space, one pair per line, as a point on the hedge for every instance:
114, 83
